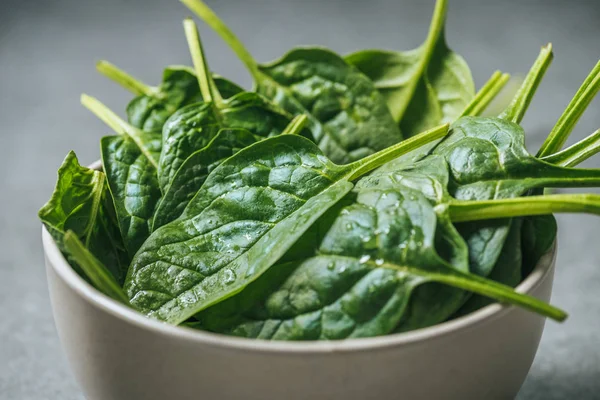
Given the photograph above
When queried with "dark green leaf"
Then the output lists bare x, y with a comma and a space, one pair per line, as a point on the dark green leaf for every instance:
194, 170
192, 127
152, 106
251, 209
537, 238
375, 270
348, 117
129, 161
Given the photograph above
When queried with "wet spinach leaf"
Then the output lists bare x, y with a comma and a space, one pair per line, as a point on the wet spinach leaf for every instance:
192, 127
250, 210
348, 117
375, 270
195, 169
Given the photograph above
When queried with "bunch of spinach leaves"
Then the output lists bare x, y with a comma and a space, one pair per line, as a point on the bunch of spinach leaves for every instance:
344, 197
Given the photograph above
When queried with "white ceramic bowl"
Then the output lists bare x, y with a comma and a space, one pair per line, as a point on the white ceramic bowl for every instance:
117, 353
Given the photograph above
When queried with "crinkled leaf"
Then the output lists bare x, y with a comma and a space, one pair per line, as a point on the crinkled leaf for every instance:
374, 271
487, 159
178, 89
195, 169
81, 203
193, 127
250, 210
134, 187
348, 117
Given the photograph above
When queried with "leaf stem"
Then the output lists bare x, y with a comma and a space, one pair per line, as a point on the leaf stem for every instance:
369, 163
502, 293
577, 153
462, 211
204, 12
518, 106
436, 28
296, 125
94, 269
567, 121
482, 286
117, 124
486, 94
125, 80
205, 81
106, 115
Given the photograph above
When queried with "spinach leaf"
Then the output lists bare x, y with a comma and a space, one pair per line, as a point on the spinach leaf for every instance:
250, 210
192, 127
487, 159
81, 204
481, 100
129, 160
193, 172
100, 276
424, 87
376, 269
152, 106
509, 266
348, 117
537, 238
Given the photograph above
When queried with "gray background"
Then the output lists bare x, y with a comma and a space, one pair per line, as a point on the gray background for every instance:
47, 54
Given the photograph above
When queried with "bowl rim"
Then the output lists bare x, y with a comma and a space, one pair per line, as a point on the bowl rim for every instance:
90, 294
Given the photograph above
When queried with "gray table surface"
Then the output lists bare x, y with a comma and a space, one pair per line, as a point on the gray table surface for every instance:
47, 55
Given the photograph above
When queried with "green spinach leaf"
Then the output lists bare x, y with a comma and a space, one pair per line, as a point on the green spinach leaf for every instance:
192, 127
81, 204
348, 117
129, 160
250, 210
375, 270
193, 172
152, 106
424, 87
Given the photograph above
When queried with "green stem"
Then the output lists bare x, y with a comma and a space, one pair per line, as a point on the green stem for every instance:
369, 163
461, 211
482, 286
94, 269
117, 124
296, 125
207, 85
577, 153
125, 80
502, 293
518, 106
486, 94
436, 29
207, 15
565, 124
